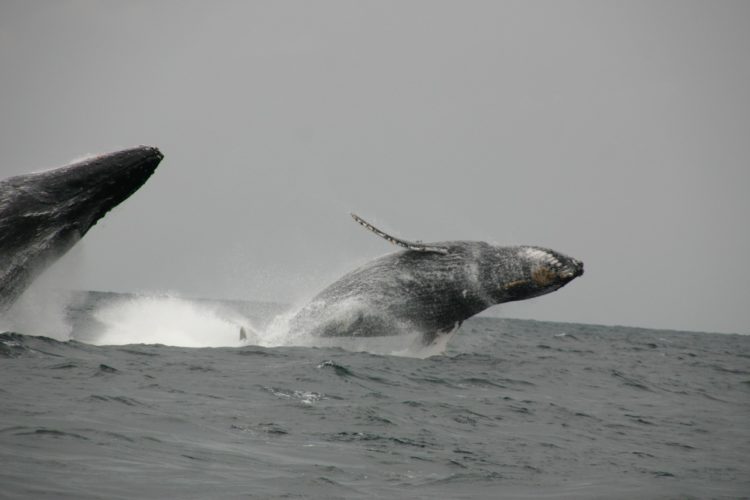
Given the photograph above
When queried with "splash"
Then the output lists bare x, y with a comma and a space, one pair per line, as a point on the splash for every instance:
176, 321
405, 342
43, 308
167, 320
40, 311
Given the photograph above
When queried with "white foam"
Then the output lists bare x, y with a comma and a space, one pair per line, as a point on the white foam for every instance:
175, 321
167, 320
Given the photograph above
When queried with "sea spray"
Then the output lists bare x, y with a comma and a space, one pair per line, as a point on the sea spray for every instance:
183, 322
167, 320
43, 308
41, 311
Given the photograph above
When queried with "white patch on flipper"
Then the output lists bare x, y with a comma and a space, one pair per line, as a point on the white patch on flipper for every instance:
476, 286
472, 271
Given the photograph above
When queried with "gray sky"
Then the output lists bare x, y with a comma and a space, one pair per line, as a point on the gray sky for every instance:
616, 132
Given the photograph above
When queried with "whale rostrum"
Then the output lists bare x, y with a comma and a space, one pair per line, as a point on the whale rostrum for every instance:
431, 288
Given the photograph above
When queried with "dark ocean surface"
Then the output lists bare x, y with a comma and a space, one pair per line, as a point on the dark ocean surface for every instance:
511, 409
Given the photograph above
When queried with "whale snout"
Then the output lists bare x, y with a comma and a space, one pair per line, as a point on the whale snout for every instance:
550, 268
574, 268
569, 269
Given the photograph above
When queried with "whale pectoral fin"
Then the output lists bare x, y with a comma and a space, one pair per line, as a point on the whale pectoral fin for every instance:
409, 245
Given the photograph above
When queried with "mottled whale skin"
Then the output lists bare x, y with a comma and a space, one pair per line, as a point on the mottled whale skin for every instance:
42, 215
432, 288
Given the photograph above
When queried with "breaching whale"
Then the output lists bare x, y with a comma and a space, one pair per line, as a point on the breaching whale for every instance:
431, 288
42, 215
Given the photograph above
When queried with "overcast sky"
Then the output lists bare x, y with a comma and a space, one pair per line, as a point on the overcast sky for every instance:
615, 132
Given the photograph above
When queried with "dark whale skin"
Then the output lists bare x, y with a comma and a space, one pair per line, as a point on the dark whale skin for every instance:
432, 292
42, 215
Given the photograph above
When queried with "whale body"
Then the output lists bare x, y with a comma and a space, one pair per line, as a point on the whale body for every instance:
42, 215
431, 288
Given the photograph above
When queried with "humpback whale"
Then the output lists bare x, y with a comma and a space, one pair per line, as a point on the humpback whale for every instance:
431, 288
42, 215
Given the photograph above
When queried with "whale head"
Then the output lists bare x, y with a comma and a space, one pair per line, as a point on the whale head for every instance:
524, 272
42, 215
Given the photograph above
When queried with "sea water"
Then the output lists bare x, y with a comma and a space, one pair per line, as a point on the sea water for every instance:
157, 397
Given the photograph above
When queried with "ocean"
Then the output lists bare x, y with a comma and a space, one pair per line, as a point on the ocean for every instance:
157, 397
